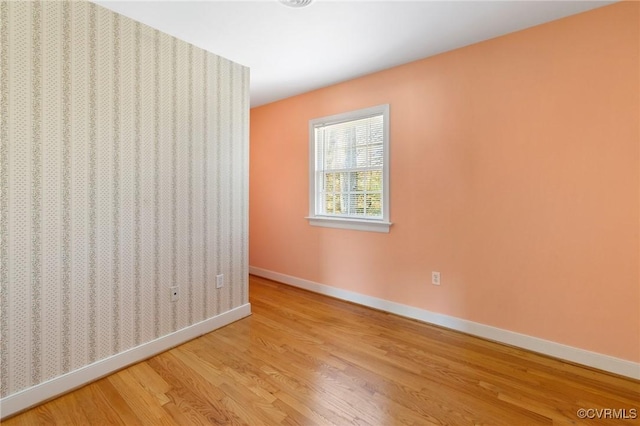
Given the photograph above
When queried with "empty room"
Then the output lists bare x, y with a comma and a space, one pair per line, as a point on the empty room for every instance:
319, 212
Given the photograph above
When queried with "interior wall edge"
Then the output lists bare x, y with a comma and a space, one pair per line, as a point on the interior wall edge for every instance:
35, 395
545, 347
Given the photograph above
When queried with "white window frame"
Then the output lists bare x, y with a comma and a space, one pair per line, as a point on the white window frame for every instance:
361, 224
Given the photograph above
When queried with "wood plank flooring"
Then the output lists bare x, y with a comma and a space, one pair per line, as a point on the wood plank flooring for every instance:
305, 359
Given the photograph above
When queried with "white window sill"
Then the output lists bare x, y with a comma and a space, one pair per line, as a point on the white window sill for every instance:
355, 224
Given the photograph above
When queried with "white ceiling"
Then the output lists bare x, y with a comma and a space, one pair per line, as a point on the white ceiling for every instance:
292, 51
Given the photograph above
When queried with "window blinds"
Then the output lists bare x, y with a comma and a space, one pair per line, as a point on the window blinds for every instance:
349, 168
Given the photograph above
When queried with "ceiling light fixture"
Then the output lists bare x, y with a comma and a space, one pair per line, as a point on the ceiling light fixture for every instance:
296, 3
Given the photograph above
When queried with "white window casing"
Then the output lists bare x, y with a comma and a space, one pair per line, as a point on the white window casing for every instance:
349, 170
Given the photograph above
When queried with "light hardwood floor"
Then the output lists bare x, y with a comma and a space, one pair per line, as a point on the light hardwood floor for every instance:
305, 359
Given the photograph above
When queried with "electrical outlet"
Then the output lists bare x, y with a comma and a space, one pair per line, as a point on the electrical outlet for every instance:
175, 294
435, 278
220, 281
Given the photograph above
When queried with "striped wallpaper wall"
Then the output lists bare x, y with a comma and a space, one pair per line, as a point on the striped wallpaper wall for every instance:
123, 172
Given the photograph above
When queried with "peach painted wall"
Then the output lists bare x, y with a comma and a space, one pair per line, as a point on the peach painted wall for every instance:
514, 172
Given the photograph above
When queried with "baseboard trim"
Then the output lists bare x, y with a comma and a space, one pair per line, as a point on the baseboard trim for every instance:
42, 392
558, 350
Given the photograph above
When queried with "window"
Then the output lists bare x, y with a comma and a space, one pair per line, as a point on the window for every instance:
349, 170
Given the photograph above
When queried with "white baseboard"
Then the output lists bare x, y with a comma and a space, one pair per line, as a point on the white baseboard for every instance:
42, 392
534, 344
